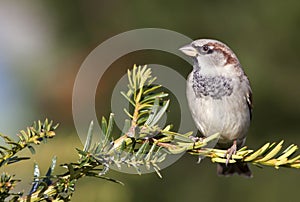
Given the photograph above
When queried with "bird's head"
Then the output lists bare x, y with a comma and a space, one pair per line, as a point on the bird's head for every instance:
209, 53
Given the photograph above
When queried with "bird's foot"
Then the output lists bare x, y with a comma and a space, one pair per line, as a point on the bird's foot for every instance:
231, 151
196, 139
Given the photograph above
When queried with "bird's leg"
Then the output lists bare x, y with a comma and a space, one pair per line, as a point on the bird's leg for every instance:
196, 139
232, 150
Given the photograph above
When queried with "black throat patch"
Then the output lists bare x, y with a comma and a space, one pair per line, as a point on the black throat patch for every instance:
215, 87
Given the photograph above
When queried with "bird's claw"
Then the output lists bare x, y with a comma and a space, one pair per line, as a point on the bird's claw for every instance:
195, 139
231, 151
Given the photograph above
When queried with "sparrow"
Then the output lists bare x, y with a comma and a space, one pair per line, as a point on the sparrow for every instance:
220, 98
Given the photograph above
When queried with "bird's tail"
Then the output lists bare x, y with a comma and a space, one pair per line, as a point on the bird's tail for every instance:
239, 168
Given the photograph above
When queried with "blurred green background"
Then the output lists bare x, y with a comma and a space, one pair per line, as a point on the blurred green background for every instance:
43, 44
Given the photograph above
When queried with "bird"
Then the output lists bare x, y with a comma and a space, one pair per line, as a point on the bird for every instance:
220, 99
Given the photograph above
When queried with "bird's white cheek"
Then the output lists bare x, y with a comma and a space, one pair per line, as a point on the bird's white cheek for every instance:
207, 67
205, 62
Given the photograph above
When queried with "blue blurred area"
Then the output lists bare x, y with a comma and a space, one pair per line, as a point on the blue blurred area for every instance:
11, 100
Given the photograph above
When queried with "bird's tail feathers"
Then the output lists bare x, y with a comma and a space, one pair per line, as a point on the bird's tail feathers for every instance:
239, 168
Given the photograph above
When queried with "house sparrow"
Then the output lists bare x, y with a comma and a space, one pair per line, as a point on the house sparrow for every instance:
220, 98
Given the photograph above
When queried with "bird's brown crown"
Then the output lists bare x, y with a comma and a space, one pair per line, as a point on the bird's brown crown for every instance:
226, 51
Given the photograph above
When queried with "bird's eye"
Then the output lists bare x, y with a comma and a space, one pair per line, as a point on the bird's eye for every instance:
205, 48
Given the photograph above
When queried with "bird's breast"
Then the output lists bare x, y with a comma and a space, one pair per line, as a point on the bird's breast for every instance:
211, 86
218, 105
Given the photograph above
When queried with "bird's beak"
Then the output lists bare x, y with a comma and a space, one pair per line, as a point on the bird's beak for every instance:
188, 50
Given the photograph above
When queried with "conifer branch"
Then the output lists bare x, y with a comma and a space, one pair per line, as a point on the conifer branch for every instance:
33, 135
143, 143
270, 154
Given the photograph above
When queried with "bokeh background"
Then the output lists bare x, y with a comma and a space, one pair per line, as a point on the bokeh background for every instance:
43, 44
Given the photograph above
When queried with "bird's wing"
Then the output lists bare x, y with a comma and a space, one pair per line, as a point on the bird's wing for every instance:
249, 102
